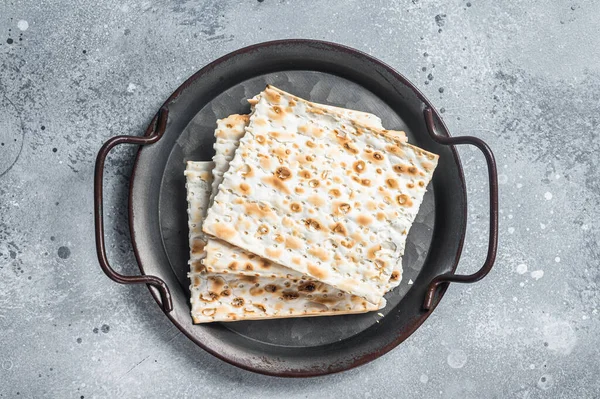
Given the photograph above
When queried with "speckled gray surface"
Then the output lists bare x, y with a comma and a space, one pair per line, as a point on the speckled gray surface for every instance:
524, 76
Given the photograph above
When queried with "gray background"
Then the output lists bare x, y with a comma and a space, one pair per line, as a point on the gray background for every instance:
524, 76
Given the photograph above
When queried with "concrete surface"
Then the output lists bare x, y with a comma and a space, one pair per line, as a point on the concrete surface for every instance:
524, 76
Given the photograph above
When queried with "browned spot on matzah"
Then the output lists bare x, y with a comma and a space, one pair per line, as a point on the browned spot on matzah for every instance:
198, 247
217, 283
279, 238
246, 171
376, 157
260, 122
325, 300
404, 200
341, 208
359, 166
319, 253
273, 252
244, 189
394, 149
339, 228
281, 153
259, 307
305, 174
263, 229
308, 286
371, 253
364, 220
295, 207
283, 173
276, 183
372, 206
209, 296
273, 96
356, 236
351, 148
237, 302
197, 267
276, 113
209, 311
313, 224
391, 183
293, 242
289, 295
249, 279
316, 271
264, 162
260, 210
223, 231
233, 266
314, 183
271, 288
334, 192
316, 200
405, 169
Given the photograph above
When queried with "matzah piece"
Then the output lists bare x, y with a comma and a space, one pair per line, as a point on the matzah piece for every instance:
198, 177
325, 196
229, 297
223, 257
228, 133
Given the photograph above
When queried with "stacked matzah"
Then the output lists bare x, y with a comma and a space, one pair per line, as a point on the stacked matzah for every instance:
313, 207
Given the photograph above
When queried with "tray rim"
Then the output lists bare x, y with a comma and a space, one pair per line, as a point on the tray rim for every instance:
442, 131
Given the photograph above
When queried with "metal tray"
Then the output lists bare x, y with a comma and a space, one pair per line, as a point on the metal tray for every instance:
183, 130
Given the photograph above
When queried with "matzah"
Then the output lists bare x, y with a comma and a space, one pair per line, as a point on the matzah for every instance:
223, 257
198, 177
348, 193
229, 297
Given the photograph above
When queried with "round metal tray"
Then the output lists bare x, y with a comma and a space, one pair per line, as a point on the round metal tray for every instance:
183, 130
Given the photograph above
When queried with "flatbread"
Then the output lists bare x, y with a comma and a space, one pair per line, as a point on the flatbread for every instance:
321, 194
198, 177
228, 133
222, 257
230, 297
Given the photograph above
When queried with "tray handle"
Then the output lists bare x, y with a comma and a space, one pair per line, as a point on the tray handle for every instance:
153, 134
493, 232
